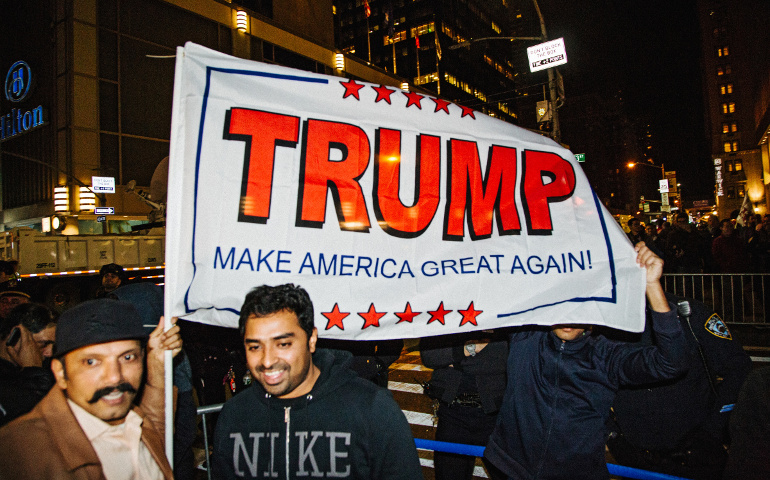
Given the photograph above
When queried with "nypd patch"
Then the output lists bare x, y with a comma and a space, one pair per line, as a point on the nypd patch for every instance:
715, 326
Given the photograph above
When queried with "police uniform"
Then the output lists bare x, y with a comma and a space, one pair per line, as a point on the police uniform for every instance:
679, 426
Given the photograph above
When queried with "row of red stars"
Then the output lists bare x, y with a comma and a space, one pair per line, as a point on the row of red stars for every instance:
352, 89
372, 317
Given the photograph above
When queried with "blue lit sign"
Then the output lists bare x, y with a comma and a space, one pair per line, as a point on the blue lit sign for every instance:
19, 120
17, 81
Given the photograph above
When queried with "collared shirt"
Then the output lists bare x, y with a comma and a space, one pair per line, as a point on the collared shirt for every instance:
119, 447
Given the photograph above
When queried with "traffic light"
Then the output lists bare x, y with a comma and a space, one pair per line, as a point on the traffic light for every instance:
545, 126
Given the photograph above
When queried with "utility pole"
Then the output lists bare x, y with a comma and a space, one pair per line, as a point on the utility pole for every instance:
556, 133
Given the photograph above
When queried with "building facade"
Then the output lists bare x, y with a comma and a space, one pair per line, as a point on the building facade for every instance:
458, 49
736, 82
90, 90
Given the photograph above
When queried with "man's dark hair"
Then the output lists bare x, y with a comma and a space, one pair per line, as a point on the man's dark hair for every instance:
34, 316
266, 300
726, 220
632, 221
682, 215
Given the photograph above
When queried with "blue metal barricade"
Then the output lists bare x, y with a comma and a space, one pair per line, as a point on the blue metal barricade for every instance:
436, 446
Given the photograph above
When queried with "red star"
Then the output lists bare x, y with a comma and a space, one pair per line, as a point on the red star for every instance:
441, 105
438, 314
414, 99
383, 93
407, 315
469, 315
371, 318
351, 88
467, 111
335, 318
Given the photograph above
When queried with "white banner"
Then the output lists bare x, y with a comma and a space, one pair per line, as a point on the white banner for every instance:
403, 215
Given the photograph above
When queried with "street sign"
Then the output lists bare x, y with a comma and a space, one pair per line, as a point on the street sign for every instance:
663, 186
104, 210
664, 198
547, 55
103, 184
581, 157
101, 218
665, 208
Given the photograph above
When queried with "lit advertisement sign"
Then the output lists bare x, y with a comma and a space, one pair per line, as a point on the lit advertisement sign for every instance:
718, 176
18, 121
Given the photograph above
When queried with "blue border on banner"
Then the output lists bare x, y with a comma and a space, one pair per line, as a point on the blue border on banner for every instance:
614, 293
612, 298
209, 70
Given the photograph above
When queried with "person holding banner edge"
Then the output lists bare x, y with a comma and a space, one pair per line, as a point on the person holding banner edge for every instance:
562, 382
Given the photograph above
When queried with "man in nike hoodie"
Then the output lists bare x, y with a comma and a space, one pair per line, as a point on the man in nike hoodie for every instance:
306, 415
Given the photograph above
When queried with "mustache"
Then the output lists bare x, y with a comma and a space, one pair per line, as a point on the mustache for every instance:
121, 387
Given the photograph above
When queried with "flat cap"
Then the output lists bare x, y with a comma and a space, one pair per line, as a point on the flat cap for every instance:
97, 321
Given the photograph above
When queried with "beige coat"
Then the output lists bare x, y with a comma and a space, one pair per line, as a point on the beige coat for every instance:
49, 443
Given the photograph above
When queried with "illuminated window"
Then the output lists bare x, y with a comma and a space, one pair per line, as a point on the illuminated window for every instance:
724, 108
397, 37
729, 166
422, 29
729, 88
728, 149
725, 128
720, 71
723, 51
731, 107
738, 163
495, 27
448, 31
429, 78
734, 127
741, 191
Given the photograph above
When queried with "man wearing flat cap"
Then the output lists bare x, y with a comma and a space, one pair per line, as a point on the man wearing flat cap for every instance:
88, 426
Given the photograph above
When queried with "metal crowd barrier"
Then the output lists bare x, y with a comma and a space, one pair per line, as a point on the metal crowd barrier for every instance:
739, 298
436, 446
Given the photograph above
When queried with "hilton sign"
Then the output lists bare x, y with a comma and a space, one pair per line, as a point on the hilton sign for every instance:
19, 120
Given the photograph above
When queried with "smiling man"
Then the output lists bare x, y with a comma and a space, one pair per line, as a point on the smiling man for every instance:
306, 415
88, 425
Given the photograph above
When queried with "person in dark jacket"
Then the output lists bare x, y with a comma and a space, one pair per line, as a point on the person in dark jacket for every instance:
679, 426
750, 430
561, 385
306, 415
23, 379
468, 382
371, 358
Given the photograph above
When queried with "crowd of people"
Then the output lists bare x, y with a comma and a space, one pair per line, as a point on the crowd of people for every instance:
710, 246
81, 396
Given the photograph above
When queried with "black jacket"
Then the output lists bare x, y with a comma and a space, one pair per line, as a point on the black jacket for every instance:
21, 389
663, 415
345, 427
559, 394
487, 368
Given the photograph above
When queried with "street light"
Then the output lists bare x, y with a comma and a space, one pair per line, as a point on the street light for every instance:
652, 165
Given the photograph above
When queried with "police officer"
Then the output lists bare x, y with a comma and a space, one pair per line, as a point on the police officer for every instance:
679, 427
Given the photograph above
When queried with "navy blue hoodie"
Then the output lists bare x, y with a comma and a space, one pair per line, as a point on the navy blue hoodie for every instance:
552, 422
345, 427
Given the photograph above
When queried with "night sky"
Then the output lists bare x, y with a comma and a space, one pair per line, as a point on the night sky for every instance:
651, 52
